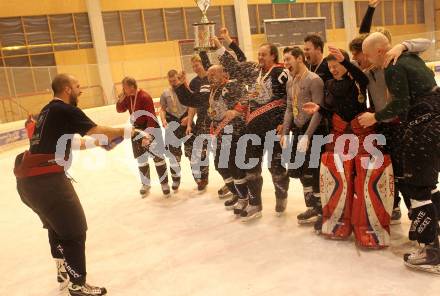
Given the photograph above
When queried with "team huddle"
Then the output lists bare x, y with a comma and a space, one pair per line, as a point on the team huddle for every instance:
357, 134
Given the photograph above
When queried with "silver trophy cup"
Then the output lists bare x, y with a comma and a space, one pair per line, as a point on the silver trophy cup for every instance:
205, 30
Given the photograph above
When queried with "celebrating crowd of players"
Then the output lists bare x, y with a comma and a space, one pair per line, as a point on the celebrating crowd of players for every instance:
313, 107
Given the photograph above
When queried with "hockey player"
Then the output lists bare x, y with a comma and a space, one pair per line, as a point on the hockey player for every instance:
266, 97
314, 53
177, 114
223, 98
379, 95
344, 100
133, 100
44, 187
241, 57
416, 100
303, 86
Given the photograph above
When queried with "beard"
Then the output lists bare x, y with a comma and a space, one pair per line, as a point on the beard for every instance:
73, 100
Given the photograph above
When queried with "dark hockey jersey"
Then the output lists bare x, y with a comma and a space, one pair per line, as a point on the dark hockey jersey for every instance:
220, 100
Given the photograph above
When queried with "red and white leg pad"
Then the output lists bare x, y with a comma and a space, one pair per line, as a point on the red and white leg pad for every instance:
373, 201
337, 189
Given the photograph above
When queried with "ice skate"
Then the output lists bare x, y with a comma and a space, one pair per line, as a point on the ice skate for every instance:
224, 192
280, 207
318, 225
396, 216
175, 186
166, 190
240, 206
310, 216
230, 203
145, 191
62, 275
202, 186
251, 212
426, 259
85, 290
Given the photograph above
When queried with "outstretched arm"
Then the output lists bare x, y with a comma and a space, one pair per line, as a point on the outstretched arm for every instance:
368, 18
205, 60
224, 33
190, 99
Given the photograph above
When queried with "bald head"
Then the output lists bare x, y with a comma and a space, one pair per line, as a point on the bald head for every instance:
60, 82
217, 75
374, 47
66, 88
376, 40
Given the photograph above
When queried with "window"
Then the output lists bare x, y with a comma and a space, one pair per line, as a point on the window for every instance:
133, 26
377, 18
311, 9
339, 15
297, 10
11, 34
37, 33
410, 13
175, 24
230, 21
83, 30
153, 19
113, 30
326, 11
281, 10
361, 9
214, 15
193, 16
265, 13
253, 20
389, 12
63, 31
420, 6
400, 16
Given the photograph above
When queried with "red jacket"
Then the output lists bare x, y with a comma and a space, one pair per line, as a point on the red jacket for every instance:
143, 102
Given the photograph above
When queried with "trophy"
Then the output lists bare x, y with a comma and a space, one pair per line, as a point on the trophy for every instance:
204, 30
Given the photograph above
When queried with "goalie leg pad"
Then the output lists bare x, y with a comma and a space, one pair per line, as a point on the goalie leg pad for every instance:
337, 188
373, 201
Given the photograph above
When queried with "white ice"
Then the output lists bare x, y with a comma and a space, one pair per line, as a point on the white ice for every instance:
189, 245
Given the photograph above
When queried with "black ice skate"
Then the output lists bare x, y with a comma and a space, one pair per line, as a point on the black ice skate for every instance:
318, 225
201, 185
62, 275
280, 207
166, 190
310, 216
240, 206
175, 186
85, 290
395, 216
230, 203
145, 190
251, 212
224, 192
425, 259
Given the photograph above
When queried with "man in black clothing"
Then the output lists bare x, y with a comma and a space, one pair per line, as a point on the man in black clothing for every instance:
44, 187
416, 100
198, 154
314, 53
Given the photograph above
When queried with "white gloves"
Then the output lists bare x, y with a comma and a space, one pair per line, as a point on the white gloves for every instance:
303, 144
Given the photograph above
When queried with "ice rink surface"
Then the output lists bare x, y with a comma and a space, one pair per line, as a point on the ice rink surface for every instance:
189, 244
